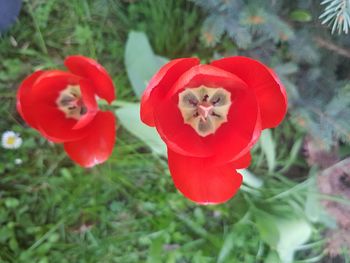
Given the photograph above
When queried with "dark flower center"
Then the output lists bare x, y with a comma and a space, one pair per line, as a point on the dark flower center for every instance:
70, 102
204, 108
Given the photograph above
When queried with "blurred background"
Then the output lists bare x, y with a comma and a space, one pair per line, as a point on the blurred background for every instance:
294, 204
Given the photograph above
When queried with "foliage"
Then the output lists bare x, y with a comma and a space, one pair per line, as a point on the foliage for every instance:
128, 210
276, 231
337, 15
286, 37
139, 53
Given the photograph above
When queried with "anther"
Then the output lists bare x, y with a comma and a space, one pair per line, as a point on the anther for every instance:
215, 114
216, 101
192, 102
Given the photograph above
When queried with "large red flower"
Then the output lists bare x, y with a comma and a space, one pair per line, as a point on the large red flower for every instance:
210, 116
62, 107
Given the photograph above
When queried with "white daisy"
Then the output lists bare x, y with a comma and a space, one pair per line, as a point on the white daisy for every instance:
11, 140
18, 161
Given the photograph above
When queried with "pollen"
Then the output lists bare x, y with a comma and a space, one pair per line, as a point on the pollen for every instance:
70, 102
204, 109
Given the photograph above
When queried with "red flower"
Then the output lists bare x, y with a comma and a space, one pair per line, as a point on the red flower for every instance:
62, 107
210, 116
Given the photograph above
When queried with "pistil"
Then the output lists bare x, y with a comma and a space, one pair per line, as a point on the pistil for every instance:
204, 110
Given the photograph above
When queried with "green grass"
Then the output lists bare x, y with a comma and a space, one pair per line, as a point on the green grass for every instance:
128, 209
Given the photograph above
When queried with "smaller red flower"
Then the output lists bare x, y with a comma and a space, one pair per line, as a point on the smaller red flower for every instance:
62, 107
210, 116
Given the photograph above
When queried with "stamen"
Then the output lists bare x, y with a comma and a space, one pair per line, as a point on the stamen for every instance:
216, 101
192, 102
216, 115
205, 98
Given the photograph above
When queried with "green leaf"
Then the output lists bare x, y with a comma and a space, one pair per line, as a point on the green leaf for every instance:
285, 235
129, 117
314, 211
294, 152
293, 233
251, 179
312, 205
272, 257
265, 223
83, 34
268, 147
161, 61
226, 248
301, 15
156, 249
140, 61
11, 202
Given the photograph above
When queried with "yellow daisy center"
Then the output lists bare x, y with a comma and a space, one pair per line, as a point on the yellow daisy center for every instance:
11, 140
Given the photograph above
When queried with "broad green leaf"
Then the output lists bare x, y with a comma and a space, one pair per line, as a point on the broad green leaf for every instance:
285, 235
267, 228
140, 61
272, 257
250, 179
293, 233
268, 147
161, 60
129, 117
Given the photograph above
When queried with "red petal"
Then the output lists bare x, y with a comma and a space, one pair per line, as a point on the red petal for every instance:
270, 93
24, 98
90, 69
238, 135
208, 76
47, 87
160, 84
97, 146
233, 138
49, 119
201, 181
242, 162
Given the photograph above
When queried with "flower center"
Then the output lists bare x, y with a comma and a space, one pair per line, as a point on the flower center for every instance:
11, 140
204, 108
70, 102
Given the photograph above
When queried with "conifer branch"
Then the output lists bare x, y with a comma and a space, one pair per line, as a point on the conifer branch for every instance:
337, 15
